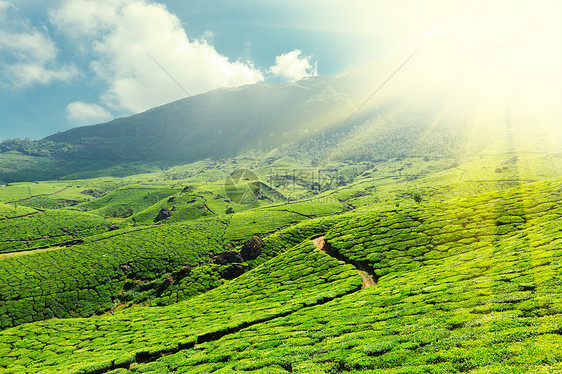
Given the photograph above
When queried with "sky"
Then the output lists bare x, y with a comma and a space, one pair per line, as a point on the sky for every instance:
68, 63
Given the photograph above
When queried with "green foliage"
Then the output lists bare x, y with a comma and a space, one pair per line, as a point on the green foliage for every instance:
200, 280
85, 279
44, 148
490, 305
467, 268
49, 228
48, 202
18, 192
14, 211
15, 167
265, 220
283, 285
184, 207
125, 201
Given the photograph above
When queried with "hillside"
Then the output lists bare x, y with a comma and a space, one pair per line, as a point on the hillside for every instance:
463, 285
462, 262
438, 103
321, 232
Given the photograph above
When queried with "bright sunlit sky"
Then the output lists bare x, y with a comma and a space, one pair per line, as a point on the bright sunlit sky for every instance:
66, 63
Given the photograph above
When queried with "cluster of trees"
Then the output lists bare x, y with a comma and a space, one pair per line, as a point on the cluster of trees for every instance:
44, 148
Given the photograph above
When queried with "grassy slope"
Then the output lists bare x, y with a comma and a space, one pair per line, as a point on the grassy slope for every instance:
51, 284
10, 211
85, 279
48, 228
464, 285
127, 200
17, 167
272, 289
417, 249
482, 299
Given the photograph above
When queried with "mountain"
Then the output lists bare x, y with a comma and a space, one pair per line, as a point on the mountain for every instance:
265, 116
433, 100
220, 123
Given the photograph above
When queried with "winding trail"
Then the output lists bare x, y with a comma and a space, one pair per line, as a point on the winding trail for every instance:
36, 196
25, 215
144, 357
4, 256
364, 270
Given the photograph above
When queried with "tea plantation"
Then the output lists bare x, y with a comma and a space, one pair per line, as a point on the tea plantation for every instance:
484, 302
466, 275
10, 212
49, 228
88, 275
279, 287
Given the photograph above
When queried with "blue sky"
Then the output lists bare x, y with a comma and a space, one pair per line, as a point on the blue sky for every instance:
75, 85
66, 63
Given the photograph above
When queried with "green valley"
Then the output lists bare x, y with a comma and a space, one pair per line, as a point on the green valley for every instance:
294, 227
465, 264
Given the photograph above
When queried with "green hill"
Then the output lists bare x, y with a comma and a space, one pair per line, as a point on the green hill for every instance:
294, 228
468, 285
441, 104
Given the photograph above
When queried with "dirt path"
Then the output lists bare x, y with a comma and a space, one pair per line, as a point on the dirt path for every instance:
463, 173
34, 197
4, 256
25, 215
362, 269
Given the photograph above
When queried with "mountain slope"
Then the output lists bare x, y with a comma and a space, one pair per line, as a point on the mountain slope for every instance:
438, 101
469, 285
220, 123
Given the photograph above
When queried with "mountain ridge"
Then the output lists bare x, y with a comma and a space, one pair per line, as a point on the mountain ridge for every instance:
432, 100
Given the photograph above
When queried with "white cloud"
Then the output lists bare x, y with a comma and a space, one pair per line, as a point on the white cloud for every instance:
28, 54
290, 65
84, 113
4, 5
122, 35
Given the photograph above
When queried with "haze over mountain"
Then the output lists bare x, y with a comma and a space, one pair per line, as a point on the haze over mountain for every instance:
432, 100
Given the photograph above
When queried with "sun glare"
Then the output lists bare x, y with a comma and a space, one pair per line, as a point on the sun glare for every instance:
517, 34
